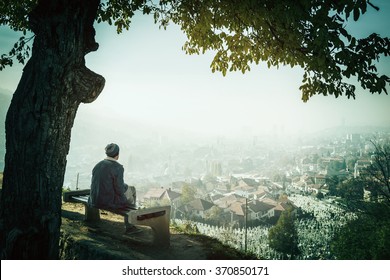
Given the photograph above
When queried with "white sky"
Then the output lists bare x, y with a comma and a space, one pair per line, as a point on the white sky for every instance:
150, 80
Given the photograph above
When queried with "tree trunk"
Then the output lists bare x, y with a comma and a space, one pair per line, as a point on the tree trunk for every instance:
38, 126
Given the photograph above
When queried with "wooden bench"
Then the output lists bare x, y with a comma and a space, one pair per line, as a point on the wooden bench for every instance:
157, 218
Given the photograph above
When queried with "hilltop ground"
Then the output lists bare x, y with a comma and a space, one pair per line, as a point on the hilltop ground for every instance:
105, 240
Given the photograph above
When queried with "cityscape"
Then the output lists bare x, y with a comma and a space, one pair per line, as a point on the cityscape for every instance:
241, 166
235, 187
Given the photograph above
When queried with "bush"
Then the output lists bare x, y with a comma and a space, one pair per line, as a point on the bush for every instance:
365, 238
320, 195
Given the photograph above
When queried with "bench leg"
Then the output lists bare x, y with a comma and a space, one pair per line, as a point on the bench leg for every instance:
159, 224
91, 214
126, 220
161, 233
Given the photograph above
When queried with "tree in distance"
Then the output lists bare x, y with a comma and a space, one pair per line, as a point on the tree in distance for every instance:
367, 236
283, 237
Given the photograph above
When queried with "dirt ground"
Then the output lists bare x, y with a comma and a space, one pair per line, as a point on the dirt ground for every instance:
106, 240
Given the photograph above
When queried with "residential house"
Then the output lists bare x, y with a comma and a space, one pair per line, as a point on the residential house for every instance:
198, 207
320, 179
280, 207
237, 212
259, 209
244, 190
237, 207
260, 193
173, 197
223, 187
248, 182
254, 210
154, 194
215, 197
227, 200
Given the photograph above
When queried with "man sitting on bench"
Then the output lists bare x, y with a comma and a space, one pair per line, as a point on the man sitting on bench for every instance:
108, 190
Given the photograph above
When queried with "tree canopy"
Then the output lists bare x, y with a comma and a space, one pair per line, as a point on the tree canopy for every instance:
363, 238
310, 34
283, 237
367, 236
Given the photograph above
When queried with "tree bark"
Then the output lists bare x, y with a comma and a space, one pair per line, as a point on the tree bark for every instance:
38, 126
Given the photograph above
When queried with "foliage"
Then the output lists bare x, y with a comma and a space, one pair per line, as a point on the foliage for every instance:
309, 34
351, 190
350, 162
65, 189
332, 183
368, 236
302, 214
283, 237
187, 194
320, 195
377, 176
336, 165
375, 179
365, 238
14, 14
214, 214
187, 227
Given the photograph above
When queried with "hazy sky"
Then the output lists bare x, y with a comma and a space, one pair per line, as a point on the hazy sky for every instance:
150, 80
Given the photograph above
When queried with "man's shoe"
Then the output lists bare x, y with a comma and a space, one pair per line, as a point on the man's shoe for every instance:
133, 207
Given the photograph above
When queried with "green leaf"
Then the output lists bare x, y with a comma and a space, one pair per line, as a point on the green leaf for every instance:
363, 6
356, 14
344, 32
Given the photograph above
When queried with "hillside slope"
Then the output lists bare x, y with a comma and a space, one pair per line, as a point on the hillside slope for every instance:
105, 240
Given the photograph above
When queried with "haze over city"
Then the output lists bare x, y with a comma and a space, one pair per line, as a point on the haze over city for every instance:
155, 91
